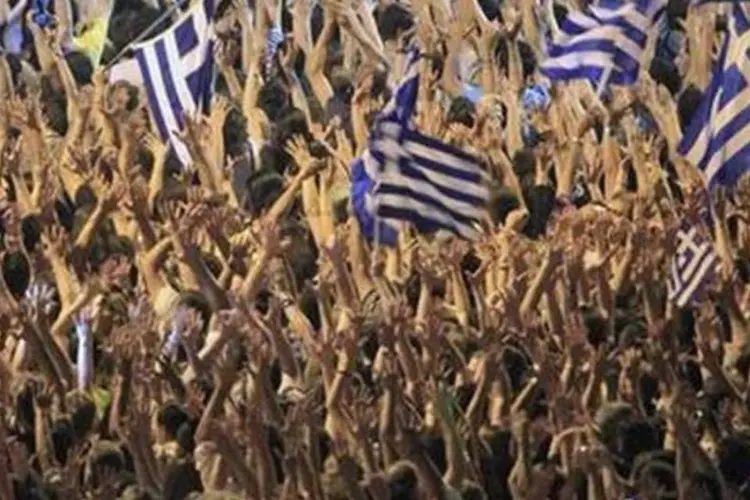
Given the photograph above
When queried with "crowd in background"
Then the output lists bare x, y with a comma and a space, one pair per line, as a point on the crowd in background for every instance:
223, 329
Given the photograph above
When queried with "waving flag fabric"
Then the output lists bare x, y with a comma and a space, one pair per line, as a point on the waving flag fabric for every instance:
603, 42
408, 177
177, 72
718, 138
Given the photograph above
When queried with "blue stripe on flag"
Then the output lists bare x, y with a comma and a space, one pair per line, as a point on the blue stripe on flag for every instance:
158, 118
604, 40
717, 141
177, 71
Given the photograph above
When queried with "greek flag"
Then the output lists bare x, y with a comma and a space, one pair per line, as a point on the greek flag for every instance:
695, 262
740, 18
177, 72
603, 43
408, 177
717, 141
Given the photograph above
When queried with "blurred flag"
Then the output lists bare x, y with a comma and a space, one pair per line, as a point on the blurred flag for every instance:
92, 32
603, 43
717, 141
408, 177
694, 264
740, 17
126, 70
177, 72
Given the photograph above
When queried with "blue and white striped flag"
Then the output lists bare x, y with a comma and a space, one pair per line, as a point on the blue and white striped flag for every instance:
603, 43
694, 264
408, 177
178, 74
717, 141
740, 17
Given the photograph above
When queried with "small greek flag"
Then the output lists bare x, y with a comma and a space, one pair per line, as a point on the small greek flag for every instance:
695, 262
177, 71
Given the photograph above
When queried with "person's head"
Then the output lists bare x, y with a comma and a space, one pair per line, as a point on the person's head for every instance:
63, 439
235, 133
688, 104
653, 475
123, 96
264, 187
131, 21
105, 462
470, 490
180, 480
53, 105
625, 434
80, 66
393, 21
733, 455
83, 414
402, 480
170, 418
274, 99
462, 111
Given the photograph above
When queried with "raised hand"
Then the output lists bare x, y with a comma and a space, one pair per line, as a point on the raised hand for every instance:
39, 300
220, 110
54, 241
297, 148
155, 145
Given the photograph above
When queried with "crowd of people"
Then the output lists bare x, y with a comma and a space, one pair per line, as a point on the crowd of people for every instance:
223, 329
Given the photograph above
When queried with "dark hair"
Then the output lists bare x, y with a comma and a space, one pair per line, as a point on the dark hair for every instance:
103, 463
540, 200
16, 272
198, 302
264, 187
81, 67
688, 104
502, 203
402, 480
171, 417
274, 99
655, 467
180, 480
131, 18
596, 326
54, 106
462, 111
235, 133
733, 455
470, 490
434, 448
528, 59
665, 72
83, 417
186, 437
63, 439
392, 21
491, 8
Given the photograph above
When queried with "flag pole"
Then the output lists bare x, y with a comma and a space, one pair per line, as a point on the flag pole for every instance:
603, 81
146, 32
